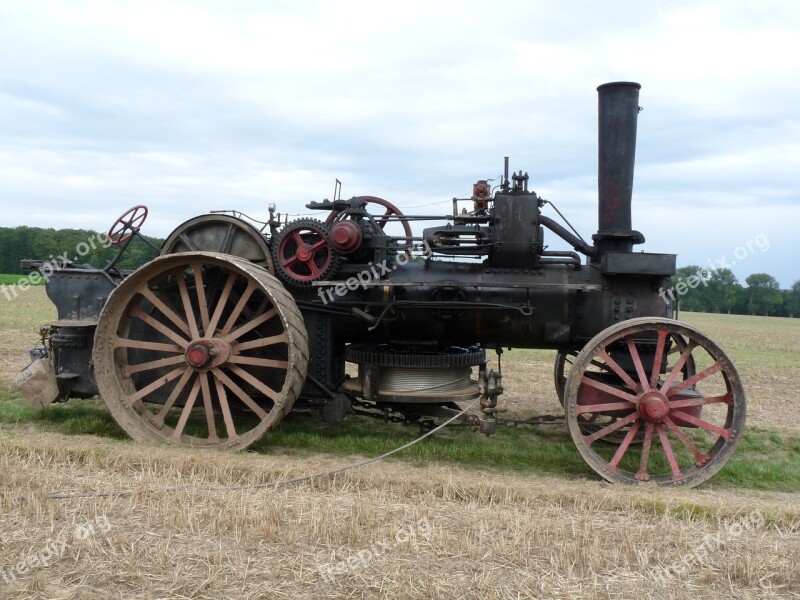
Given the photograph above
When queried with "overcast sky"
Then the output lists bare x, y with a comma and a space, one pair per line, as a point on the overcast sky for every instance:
193, 106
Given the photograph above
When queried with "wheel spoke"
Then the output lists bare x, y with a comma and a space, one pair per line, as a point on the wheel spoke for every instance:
623, 447
187, 409
227, 242
700, 457
189, 243
590, 439
187, 306
715, 368
312, 266
237, 310
298, 240
594, 408
259, 385
637, 362
288, 262
725, 433
619, 370
261, 342
687, 402
259, 362
128, 369
317, 245
158, 420
608, 389
209, 409
240, 393
644, 458
221, 303
158, 326
226, 409
659, 355
152, 387
147, 293
201, 294
121, 342
687, 352
252, 324
673, 463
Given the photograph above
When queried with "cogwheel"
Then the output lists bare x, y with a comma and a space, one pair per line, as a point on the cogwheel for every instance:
302, 253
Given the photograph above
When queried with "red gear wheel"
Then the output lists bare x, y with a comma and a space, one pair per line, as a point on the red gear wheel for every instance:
303, 253
391, 210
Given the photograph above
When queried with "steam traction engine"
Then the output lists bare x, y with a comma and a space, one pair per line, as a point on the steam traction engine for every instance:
214, 341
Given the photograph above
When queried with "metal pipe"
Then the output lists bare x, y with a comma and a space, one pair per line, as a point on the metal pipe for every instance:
567, 236
618, 109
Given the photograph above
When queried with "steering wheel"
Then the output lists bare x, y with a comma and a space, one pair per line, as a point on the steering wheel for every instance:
391, 209
130, 221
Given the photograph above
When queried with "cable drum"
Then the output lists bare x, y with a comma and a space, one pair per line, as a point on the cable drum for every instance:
399, 380
414, 374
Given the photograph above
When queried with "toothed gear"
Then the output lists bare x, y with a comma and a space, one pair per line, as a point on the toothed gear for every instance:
384, 355
303, 253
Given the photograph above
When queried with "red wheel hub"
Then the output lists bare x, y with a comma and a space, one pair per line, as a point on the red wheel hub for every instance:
346, 236
207, 354
653, 407
304, 254
197, 355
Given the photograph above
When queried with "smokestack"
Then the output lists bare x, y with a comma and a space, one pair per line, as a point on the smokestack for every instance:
618, 110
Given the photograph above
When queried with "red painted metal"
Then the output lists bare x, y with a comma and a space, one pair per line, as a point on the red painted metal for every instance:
129, 221
346, 236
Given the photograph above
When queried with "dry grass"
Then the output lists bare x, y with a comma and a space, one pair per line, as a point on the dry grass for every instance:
493, 535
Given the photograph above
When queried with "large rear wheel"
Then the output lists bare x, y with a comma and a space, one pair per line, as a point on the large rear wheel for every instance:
200, 349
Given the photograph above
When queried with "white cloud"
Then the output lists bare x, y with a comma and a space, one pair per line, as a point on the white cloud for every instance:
191, 106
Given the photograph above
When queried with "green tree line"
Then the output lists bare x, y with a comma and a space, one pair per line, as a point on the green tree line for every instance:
696, 288
87, 246
718, 291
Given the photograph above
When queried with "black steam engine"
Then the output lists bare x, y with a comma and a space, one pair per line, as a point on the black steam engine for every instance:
233, 325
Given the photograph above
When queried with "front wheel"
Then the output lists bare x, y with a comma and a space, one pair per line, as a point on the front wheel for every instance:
689, 421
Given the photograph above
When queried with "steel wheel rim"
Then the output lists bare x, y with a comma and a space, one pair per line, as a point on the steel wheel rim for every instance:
222, 234
678, 448
200, 333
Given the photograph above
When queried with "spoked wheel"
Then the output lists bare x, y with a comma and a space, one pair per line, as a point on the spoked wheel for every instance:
390, 210
303, 253
593, 422
220, 233
127, 224
690, 421
200, 349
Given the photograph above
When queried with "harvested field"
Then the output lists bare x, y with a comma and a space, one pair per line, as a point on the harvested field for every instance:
146, 521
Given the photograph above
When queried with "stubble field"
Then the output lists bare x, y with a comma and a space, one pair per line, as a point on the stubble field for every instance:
85, 513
